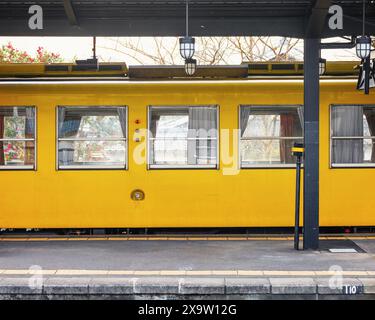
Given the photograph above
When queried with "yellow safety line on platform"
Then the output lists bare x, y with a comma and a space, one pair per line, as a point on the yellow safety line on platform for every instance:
268, 273
177, 238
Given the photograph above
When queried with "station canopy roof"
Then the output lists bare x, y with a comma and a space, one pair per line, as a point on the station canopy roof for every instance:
292, 18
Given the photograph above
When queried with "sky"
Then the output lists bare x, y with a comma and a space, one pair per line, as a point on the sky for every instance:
71, 48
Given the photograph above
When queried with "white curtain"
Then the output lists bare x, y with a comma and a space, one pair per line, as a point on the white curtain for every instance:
122, 117
202, 128
61, 117
66, 148
244, 118
347, 121
152, 134
301, 116
29, 133
29, 122
68, 127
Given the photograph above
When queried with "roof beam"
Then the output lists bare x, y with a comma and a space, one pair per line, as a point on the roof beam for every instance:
70, 13
172, 27
315, 24
291, 27
287, 18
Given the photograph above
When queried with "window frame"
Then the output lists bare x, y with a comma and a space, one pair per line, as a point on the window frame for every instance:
331, 138
24, 167
91, 167
151, 166
265, 166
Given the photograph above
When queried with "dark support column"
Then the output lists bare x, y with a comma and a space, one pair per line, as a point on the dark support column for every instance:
311, 132
366, 68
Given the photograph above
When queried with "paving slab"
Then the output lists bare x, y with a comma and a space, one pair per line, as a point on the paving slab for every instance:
202, 286
337, 285
66, 286
295, 286
247, 286
24, 286
111, 285
368, 285
157, 285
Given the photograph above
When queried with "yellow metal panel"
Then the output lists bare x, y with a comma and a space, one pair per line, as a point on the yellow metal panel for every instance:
39, 70
254, 68
47, 198
296, 68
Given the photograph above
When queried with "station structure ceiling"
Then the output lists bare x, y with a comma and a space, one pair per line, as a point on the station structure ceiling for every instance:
292, 18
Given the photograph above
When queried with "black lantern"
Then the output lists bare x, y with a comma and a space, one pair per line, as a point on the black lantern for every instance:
190, 66
363, 43
322, 66
187, 47
363, 47
187, 44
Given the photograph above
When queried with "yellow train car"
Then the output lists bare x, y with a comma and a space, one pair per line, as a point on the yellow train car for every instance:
116, 153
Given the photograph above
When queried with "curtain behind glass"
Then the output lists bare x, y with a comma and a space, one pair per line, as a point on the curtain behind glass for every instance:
153, 127
287, 128
347, 121
370, 118
2, 157
244, 118
70, 125
29, 133
154, 124
122, 115
202, 125
301, 116
61, 118
68, 128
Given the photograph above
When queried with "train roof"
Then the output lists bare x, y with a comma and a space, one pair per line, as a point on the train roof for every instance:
122, 72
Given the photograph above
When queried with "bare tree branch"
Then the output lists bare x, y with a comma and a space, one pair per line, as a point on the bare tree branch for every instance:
209, 50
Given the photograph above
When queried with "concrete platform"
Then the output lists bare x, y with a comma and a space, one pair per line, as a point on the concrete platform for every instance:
238, 269
196, 288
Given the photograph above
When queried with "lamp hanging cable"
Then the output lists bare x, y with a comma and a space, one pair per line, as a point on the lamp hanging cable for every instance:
363, 16
187, 17
187, 44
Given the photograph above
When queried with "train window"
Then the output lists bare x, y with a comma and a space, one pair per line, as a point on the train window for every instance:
352, 135
92, 137
183, 137
267, 134
17, 138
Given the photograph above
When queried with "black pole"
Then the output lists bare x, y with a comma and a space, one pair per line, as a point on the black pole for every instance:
94, 47
366, 70
298, 192
187, 17
311, 135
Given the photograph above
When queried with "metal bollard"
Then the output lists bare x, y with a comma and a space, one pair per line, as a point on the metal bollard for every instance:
297, 150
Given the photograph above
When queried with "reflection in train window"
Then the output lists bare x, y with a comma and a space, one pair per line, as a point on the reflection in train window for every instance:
352, 135
183, 137
17, 138
267, 134
92, 137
